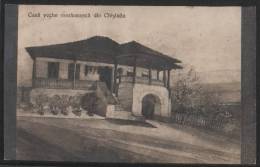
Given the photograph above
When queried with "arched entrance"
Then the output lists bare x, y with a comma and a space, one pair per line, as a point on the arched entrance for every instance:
151, 106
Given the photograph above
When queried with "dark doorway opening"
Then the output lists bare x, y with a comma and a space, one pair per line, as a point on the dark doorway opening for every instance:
150, 106
53, 70
105, 74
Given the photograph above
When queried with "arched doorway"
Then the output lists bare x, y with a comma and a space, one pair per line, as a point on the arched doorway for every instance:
150, 106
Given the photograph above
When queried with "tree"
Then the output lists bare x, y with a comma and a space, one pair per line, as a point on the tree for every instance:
191, 97
186, 90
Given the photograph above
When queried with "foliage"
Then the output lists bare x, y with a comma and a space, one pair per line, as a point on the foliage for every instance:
75, 103
54, 105
89, 103
58, 104
64, 104
40, 101
190, 98
185, 92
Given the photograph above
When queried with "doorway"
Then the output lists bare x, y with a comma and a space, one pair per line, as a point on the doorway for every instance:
105, 75
150, 105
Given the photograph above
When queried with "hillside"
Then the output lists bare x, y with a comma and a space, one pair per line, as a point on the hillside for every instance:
229, 92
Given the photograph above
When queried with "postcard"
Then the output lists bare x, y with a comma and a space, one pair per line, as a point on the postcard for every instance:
132, 84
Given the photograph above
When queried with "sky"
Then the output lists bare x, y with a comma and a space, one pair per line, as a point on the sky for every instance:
205, 38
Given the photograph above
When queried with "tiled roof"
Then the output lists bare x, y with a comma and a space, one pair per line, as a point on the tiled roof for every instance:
105, 50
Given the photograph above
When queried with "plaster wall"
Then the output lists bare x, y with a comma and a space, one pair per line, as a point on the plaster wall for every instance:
141, 90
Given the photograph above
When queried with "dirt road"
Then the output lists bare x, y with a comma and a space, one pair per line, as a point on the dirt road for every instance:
57, 139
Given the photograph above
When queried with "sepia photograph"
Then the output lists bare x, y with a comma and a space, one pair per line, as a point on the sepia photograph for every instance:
132, 84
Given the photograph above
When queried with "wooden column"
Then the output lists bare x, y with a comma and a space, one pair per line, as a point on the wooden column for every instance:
115, 75
164, 78
169, 78
112, 81
150, 76
74, 74
158, 75
134, 70
34, 72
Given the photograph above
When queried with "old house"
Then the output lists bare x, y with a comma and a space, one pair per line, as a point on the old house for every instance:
130, 78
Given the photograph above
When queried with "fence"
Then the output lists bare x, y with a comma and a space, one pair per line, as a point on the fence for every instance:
62, 83
142, 80
198, 120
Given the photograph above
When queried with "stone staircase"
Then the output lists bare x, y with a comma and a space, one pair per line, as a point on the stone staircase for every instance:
118, 112
114, 109
118, 107
102, 90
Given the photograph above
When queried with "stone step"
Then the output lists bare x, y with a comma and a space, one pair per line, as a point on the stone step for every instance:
125, 115
118, 108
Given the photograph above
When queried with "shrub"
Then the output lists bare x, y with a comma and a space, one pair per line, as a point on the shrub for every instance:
88, 102
75, 103
54, 104
64, 104
40, 101
195, 105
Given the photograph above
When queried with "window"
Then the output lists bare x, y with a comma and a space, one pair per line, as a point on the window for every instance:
53, 70
86, 70
145, 74
129, 73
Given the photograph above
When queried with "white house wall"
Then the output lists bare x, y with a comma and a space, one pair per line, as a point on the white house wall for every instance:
63, 70
41, 69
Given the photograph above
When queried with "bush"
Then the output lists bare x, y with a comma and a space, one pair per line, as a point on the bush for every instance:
40, 101
88, 102
54, 104
196, 106
58, 104
64, 104
75, 103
